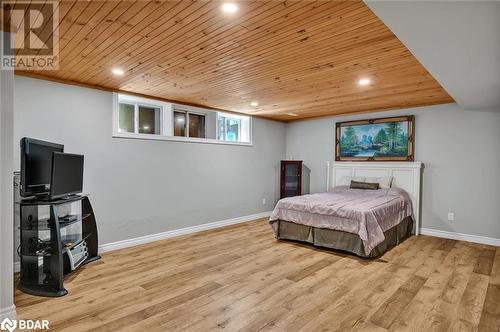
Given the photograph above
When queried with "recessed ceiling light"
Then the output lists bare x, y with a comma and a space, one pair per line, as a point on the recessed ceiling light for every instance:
117, 71
364, 81
254, 103
229, 7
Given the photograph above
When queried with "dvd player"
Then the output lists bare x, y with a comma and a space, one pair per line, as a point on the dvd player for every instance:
77, 255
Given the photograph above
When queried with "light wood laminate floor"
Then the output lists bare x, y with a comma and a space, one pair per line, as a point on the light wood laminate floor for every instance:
239, 278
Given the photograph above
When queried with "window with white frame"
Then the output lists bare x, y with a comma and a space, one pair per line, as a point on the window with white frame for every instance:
189, 124
137, 117
233, 128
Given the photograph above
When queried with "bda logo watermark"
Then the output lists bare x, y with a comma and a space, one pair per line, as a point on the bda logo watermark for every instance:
8, 324
23, 324
33, 39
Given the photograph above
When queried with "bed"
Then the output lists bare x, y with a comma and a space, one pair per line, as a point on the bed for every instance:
364, 222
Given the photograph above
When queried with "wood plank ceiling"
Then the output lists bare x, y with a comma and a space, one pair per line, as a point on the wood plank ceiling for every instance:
297, 59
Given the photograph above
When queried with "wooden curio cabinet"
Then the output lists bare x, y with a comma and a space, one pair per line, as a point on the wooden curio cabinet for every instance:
294, 178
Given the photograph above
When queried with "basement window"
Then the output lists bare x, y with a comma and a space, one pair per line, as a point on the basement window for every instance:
139, 116
189, 124
136, 117
233, 128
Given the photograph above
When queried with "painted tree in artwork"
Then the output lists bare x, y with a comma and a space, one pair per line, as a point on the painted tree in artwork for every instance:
403, 142
349, 139
393, 129
402, 139
381, 137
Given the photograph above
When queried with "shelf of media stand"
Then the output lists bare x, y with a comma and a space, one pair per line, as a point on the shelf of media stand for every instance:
76, 243
44, 224
32, 254
57, 201
43, 273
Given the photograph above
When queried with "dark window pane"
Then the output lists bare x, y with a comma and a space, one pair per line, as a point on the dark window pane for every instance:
179, 124
196, 125
149, 120
126, 118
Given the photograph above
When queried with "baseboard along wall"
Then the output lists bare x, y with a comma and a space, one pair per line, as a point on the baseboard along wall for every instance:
462, 237
178, 232
9, 312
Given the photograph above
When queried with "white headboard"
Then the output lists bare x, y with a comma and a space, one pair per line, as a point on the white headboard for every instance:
406, 175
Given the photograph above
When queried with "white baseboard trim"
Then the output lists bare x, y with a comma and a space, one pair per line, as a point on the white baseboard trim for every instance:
178, 232
462, 237
9, 312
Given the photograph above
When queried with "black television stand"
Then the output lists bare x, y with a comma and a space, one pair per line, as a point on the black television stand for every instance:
57, 238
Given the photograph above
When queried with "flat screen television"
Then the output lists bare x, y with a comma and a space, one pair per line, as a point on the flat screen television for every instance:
67, 174
36, 166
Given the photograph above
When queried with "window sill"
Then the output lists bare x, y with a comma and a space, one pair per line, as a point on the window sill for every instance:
178, 139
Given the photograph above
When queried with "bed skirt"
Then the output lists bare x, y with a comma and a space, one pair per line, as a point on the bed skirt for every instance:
339, 240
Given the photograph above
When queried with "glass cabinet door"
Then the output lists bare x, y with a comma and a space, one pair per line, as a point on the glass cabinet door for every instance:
290, 179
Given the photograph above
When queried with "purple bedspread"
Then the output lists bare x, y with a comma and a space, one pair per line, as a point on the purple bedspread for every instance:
367, 213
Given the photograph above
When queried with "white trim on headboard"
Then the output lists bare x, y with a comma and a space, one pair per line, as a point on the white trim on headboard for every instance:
406, 175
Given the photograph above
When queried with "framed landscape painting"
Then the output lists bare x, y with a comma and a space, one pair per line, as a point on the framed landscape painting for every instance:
385, 139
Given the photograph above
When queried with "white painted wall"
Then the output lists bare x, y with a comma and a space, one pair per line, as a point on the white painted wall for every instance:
461, 152
7, 308
142, 187
458, 42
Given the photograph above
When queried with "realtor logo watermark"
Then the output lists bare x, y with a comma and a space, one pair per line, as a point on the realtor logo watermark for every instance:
23, 324
33, 41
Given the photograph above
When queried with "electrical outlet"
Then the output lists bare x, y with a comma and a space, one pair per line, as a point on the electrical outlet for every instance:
263, 201
451, 216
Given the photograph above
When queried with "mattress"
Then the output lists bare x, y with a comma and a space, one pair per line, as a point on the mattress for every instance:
365, 213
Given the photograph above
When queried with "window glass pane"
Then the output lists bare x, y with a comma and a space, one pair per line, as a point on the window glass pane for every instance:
196, 125
229, 129
221, 123
126, 118
179, 124
233, 130
149, 120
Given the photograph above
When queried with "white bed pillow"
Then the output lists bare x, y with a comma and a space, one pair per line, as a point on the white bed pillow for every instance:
384, 182
346, 180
